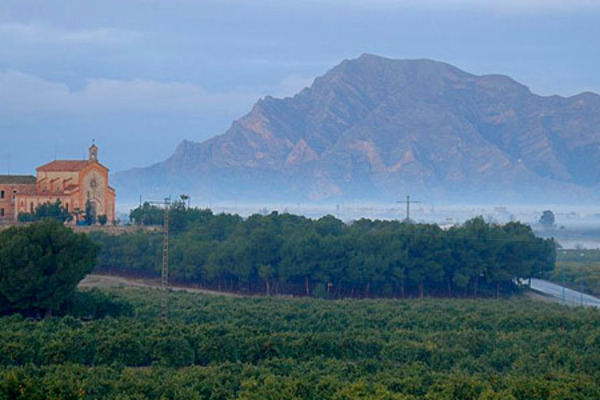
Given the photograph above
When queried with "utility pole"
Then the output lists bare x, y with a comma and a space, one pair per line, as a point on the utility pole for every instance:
408, 202
562, 270
165, 259
580, 288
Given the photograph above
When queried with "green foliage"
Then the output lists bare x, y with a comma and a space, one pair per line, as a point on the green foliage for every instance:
286, 254
90, 213
147, 214
547, 218
579, 268
102, 219
47, 210
52, 210
25, 217
94, 304
138, 252
267, 348
40, 266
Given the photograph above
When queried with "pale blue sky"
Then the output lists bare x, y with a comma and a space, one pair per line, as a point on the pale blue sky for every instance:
140, 76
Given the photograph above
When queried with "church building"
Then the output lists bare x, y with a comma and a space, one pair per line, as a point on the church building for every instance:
76, 183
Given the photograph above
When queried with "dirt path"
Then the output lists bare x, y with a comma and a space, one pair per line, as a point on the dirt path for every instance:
110, 281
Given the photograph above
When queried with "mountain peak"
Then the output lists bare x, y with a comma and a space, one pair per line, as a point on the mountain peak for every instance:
374, 127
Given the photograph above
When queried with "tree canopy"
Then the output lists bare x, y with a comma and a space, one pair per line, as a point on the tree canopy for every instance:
289, 254
40, 266
547, 218
47, 210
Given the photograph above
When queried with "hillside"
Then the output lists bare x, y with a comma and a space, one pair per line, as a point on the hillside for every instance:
376, 129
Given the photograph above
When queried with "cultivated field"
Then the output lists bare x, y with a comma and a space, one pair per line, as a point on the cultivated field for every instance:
217, 347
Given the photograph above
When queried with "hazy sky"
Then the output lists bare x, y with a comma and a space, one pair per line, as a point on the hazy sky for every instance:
139, 76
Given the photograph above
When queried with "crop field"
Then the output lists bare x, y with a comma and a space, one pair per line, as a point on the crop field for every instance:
114, 346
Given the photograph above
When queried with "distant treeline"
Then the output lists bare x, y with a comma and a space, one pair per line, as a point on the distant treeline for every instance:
289, 254
578, 269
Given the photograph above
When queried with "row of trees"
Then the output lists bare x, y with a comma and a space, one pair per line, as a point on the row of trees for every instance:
288, 254
60, 213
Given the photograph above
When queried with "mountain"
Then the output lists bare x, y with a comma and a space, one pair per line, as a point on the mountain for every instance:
373, 128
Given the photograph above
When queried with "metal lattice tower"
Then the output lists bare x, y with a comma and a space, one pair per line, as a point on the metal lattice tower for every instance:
165, 262
164, 276
408, 202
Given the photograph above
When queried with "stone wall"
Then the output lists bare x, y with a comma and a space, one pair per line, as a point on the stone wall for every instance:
109, 229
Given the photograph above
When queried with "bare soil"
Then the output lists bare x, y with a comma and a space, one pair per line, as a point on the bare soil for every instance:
111, 281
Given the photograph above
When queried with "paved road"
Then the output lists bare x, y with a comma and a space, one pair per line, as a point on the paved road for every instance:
565, 295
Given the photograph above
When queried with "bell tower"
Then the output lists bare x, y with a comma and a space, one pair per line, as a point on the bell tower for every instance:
93, 153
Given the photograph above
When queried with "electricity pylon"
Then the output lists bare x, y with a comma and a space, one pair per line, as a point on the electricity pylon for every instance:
408, 202
164, 276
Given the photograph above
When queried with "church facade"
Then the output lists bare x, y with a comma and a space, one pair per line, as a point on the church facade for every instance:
77, 184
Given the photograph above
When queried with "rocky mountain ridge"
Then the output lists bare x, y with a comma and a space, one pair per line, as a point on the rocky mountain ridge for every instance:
375, 129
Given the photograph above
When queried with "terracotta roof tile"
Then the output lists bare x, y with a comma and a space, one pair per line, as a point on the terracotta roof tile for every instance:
31, 190
26, 190
64, 165
17, 179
